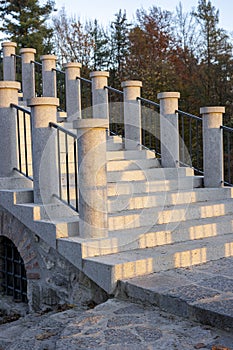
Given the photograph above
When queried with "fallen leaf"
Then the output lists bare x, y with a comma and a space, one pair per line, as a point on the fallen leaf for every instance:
45, 335
219, 347
199, 346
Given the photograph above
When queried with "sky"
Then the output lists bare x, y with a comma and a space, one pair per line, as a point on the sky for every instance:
104, 10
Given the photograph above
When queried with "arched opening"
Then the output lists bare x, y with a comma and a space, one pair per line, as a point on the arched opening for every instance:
13, 280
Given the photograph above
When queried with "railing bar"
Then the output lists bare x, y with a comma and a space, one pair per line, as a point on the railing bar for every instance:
228, 157
59, 162
63, 201
194, 168
67, 170
58, 70
18, 56
190, 138
19, 140
188, 114
114, 90
20, 108
37, 63
76, 174
25, 143
84, 79
148, 101
51, 124
197, 148
227, 128
21, 172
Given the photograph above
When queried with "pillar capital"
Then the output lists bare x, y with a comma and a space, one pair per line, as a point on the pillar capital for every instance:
43, 101
9, 44
48, 57
72, 65
9, 93
98, 74
131, 83
212, 110
169, 94
27, 50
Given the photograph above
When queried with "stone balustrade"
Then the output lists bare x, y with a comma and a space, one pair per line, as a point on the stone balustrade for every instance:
91, 132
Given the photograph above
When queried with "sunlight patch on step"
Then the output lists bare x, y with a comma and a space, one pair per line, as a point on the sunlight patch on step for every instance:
229, 249
190, 257
203, 231
134, 268
214, 210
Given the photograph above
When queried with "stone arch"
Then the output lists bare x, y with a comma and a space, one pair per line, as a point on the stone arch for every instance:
24, 240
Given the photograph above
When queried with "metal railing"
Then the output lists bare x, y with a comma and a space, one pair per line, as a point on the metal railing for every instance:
116, 111
18, 67
86, 97
191, 143
67, 156
61, 88
38, 78
24, 141
1, 65
227, 155
150, 125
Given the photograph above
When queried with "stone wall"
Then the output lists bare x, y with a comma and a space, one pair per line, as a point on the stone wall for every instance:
51, 279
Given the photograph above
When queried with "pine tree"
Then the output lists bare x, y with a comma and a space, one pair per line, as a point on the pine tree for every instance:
24, 21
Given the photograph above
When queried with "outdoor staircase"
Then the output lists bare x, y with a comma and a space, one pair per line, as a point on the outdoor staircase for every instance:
159, 218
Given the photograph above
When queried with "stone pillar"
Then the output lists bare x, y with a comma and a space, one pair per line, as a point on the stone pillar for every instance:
9, 60
73, 90
28, 73
212, 145
49, 82
92, 167
44, 152
132, 114
169, 130
8, 155
100, 94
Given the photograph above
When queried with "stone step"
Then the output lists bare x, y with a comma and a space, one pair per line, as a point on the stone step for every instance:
68, 227
144, 186
137, 164
107, 270
148, 200
148, 237
51, 211
15, 182
130, 155
165, 214
149, 174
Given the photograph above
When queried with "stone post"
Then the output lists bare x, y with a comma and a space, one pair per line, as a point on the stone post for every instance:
8, 155
100, 94
92, 167
28, 73
212, 145
49, 82
132, 114
169, 130
73, 90
44, 153
9, 60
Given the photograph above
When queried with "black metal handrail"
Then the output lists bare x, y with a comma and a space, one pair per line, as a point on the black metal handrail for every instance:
71, 179
116, 111
150, 125
191, 145
61, 88
86, 97
38, 78
23, 141
227, 154
18, 66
